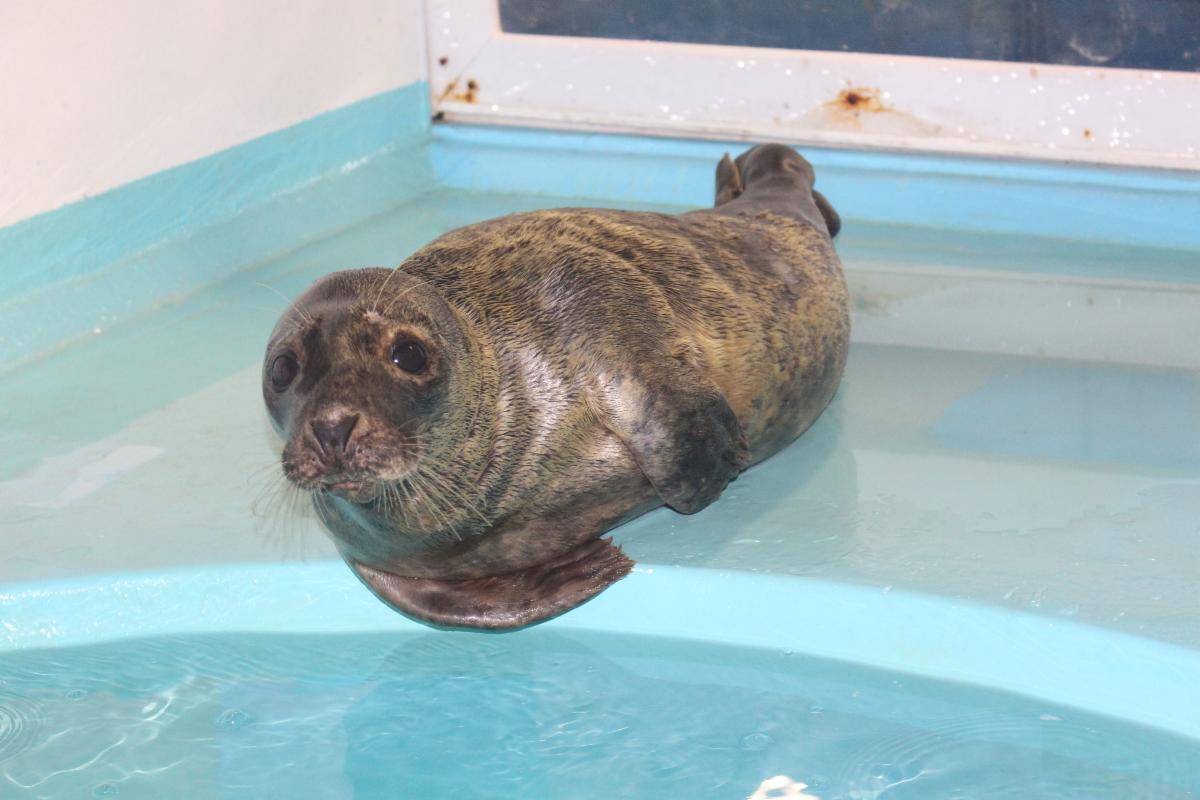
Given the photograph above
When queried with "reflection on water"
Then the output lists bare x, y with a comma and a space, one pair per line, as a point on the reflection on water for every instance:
1046, 485
537, 714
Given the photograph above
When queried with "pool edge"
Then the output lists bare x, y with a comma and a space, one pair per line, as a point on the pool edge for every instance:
1066, 663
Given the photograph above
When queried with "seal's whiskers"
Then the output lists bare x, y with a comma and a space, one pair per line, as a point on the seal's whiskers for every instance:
292, 306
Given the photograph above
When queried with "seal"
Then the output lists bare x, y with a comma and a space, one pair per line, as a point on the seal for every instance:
470, 423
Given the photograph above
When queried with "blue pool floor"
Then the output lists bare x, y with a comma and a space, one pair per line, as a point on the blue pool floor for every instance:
1019, 437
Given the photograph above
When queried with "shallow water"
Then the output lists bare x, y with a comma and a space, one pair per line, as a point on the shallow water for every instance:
1017, 428
538, 714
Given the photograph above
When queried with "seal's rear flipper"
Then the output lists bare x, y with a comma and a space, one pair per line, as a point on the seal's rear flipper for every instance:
729, 181
833, 220
775, 178
503, 602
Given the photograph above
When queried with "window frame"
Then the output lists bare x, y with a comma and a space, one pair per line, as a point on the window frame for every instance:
1123, 117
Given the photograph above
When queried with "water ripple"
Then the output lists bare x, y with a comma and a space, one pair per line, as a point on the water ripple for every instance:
538, 715
20, 724
993, 756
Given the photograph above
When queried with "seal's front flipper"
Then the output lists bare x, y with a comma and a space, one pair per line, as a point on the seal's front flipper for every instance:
681, 431
503, 602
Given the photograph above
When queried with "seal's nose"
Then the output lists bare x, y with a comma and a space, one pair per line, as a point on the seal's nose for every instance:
334, 434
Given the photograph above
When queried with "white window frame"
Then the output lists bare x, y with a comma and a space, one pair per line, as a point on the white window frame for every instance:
860, 100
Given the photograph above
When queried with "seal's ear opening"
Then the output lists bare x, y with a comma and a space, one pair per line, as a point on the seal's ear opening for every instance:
503, 602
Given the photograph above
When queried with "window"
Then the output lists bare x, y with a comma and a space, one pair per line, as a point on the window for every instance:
1100, 81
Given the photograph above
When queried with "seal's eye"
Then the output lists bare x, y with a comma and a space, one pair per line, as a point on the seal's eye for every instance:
284, 370
409, 356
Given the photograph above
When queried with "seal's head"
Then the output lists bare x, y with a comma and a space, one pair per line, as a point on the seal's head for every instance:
386, 397
356, 375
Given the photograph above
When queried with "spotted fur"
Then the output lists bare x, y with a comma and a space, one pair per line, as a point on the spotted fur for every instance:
585, 366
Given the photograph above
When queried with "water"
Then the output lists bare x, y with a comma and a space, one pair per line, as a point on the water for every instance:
538, 714
1017, 428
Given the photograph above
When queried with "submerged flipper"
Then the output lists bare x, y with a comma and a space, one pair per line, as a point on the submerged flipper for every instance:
503, 602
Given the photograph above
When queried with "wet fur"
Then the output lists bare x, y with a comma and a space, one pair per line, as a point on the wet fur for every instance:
596, 364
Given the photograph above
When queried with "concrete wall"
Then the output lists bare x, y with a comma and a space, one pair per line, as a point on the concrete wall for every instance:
98, 93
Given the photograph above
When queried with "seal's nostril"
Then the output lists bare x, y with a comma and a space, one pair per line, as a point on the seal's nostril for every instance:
334, 434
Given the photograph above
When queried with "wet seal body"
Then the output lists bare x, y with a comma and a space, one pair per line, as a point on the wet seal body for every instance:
472, 422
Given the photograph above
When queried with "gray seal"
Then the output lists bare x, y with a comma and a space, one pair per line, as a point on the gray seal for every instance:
470, 423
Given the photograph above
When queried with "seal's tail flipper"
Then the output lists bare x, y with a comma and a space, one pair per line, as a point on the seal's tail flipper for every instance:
729, 181
774, 177
833, 221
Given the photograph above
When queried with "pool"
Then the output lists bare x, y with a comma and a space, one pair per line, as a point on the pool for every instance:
975, 577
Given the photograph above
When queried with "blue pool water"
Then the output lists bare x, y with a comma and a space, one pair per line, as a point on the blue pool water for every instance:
538, 714
974, 577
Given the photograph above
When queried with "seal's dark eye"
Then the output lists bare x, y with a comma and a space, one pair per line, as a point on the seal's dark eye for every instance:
409, 356
284, 370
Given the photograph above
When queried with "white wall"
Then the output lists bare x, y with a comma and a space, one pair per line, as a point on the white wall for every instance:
95, 93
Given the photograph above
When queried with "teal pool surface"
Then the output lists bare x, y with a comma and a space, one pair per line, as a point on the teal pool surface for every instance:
975, 577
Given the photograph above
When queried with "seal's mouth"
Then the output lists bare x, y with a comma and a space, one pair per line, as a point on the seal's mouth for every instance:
358, 474
313, 475
343, 485
358, 490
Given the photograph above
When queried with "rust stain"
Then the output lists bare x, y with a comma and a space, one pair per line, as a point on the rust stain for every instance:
856, 107
858, 99
451, 92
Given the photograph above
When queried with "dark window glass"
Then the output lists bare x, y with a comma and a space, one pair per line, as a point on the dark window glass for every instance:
1147, 34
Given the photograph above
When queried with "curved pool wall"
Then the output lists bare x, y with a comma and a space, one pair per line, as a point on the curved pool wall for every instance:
1130, 678
1005, 492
